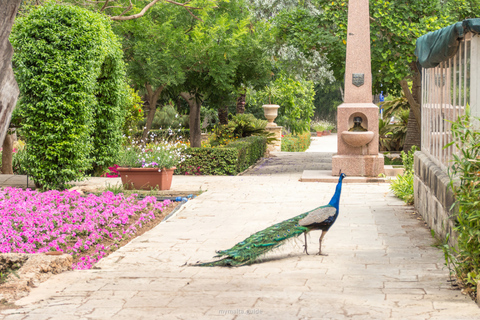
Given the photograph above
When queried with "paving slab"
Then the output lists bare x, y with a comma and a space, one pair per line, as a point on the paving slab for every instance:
380, 265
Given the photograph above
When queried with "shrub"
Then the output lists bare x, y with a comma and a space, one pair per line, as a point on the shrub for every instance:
392, 135
226, 160
68, 64
321, 125
133, 111
465, 184
167, 117
239, 126
296, 143
402, 187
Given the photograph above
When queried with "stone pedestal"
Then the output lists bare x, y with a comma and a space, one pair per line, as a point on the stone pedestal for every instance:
359, 166
363, 160
275, 146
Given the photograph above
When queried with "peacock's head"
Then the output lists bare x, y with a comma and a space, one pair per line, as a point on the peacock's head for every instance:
342, 175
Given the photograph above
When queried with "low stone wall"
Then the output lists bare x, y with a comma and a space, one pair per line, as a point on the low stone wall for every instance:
433, 197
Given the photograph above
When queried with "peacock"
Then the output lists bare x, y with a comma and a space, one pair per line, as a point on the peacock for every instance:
247, 251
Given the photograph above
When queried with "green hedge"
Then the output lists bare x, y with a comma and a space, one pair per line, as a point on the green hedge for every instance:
296, 143
69, 67
228, 160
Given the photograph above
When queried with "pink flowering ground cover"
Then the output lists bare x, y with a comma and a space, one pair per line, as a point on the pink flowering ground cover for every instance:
88, 227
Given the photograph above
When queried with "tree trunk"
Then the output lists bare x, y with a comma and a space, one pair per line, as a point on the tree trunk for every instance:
8, 86
414, 97
223, 115
413, 134
152, 100
195, 131
241, 103
7, 154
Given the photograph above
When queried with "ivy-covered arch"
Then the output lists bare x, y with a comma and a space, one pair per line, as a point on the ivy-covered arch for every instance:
69, 67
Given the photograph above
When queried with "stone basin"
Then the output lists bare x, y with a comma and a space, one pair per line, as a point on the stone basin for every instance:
357, 139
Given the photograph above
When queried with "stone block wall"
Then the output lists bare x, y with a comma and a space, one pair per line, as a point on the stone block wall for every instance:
433, 197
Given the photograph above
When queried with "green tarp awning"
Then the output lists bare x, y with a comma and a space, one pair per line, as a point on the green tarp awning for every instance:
440, 45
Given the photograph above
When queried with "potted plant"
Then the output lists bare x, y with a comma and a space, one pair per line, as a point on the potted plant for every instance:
329, 126
149, 167
319, 127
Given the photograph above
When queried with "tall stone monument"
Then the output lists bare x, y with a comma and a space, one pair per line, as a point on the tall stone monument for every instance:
8, 85
357, 117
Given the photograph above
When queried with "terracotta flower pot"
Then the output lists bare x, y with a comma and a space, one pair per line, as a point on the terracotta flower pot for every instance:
146, 178
319, 133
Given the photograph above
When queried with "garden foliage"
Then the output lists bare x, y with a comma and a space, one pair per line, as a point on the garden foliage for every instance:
161, 154
133, 111
402, 186
465, 183
295, 98
393, 133
296, 143
321, 125
239, 126
225, 160
70, 71
163, 135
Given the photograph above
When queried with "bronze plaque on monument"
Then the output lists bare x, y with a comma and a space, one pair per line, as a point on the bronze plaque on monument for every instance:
358, 79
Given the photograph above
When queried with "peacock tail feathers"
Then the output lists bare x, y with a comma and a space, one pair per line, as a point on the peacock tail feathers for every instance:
248, 250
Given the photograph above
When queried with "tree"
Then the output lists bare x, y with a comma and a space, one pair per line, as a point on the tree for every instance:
297, 67
295, 98
123, 10
8, 86
225, 52
154, 49
395, 26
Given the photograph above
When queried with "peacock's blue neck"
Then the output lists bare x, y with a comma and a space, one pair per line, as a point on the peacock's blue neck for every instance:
335, 202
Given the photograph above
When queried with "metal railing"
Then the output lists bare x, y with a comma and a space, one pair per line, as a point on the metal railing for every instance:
446, 91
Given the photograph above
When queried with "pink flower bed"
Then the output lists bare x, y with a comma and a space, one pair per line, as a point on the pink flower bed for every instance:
113, 172
36, 222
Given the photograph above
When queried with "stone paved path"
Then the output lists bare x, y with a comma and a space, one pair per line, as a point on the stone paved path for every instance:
381, 263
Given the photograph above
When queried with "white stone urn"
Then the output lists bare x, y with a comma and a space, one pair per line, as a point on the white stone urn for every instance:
271, 112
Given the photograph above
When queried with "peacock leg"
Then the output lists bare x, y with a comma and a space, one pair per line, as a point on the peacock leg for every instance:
305, 234
320, 243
